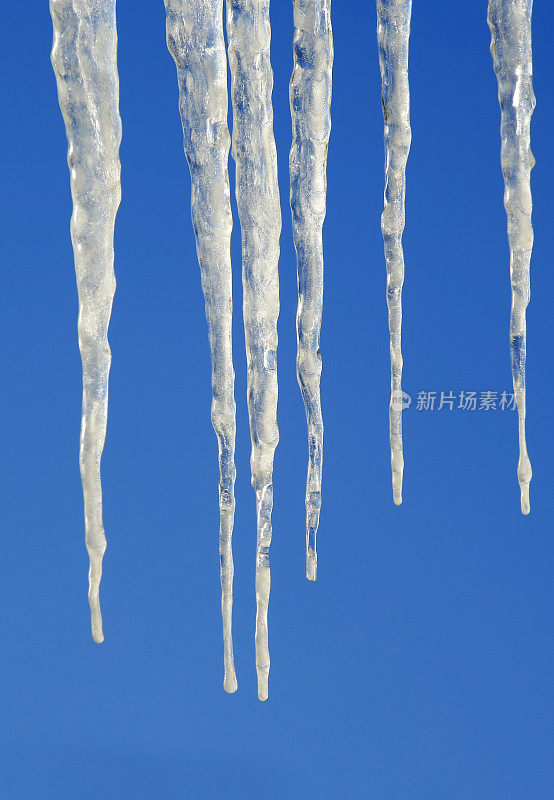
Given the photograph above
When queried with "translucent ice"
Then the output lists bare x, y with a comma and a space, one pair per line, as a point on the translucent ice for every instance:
195, 39
510, 24
257, 191
84, 57
393, 35
310, 103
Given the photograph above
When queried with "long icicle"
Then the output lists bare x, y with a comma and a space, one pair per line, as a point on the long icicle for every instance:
84, 58
510, 24
393, 35
257, 189
196, 41
310, 104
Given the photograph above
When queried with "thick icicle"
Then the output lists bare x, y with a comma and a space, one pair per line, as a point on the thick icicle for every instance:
249, 37
510, 24
310, 104
84, 57
393, 34
196, 42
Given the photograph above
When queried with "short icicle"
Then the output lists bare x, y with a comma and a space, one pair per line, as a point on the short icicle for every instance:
84, 58
393, 35
510, 24
257, 190
310, 104
196, 41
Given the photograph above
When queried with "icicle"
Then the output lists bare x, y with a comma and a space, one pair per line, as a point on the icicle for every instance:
310, 103
393, 34
510, 24
84, 59
195, 40
249, 36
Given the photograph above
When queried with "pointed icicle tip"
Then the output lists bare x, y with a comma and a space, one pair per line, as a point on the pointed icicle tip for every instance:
311, 566
230, 683
97, 632
96, 618
397, 481
525, 503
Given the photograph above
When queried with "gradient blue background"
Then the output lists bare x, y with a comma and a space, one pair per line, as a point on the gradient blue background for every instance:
420, 665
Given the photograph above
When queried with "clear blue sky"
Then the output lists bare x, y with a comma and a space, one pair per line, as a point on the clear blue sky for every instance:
419, 666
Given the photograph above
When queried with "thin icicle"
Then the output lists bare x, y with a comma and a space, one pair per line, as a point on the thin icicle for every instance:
510, 24
195, 40
310, 104
249, 36
393, 35
84, 58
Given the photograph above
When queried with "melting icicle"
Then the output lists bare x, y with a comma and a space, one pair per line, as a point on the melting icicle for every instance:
393, 35
510, 24
84, 58
249, 37
195, 40
310, 103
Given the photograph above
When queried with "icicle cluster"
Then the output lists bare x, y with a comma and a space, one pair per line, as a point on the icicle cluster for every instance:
510, 24
257, 190
195, 39
84, 58
310, 103
393, 35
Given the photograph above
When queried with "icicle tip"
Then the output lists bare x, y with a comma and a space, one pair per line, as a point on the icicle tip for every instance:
96, 625
230, 683
525, 502
263, 688
311, 565
397, 475
94, 578
524, 474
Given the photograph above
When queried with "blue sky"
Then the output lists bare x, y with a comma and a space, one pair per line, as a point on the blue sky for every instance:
419, 666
